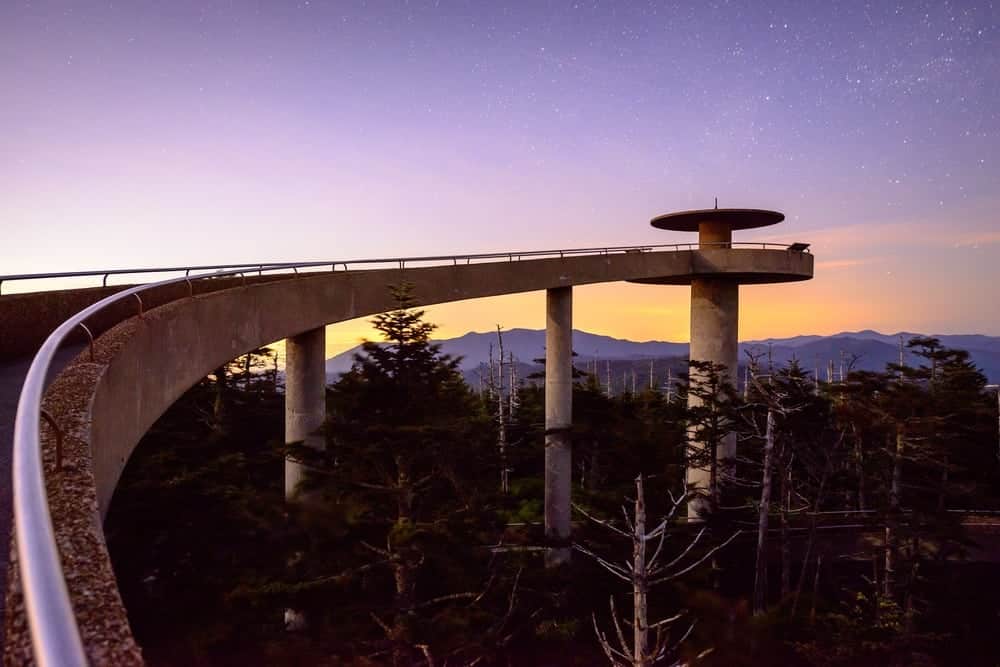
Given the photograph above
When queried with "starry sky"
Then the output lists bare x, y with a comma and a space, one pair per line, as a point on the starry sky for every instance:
163, 133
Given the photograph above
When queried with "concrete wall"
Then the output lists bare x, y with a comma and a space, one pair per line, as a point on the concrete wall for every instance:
144, 365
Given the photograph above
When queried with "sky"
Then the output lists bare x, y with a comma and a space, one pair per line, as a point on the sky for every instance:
172, 133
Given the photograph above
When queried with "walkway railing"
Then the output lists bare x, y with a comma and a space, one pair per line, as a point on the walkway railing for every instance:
394, 261
55, 635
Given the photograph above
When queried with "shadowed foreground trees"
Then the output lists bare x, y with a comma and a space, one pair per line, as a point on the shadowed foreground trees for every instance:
408, 451
401, 551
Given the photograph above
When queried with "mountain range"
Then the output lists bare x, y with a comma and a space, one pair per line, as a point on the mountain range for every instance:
873, 350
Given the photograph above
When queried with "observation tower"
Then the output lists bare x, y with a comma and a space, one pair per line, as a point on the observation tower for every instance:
718, 268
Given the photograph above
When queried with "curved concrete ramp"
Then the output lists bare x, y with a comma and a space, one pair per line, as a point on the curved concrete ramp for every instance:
189, 338
143, 365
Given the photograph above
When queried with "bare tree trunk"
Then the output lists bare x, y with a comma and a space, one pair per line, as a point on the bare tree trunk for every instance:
490, 371
812, 537
859, 468
640, 585
246, 372
221, 396
908, 611
402, 566
643, 572
502, 422
895, 490
760, 573
786, 547
594, 466
815, 596
513, 395
770, 364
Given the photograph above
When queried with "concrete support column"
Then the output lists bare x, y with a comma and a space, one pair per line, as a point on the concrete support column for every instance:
715, 235
558, 419
305, 398
715, 309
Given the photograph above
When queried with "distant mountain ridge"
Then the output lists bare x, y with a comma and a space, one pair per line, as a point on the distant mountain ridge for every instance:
874, 349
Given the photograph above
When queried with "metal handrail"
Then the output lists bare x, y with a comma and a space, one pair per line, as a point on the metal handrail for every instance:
55, 635
400, 261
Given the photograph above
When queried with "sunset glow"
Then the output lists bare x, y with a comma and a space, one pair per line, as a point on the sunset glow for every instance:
185, 134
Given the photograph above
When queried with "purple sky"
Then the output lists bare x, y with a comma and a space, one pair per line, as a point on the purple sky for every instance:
154, 133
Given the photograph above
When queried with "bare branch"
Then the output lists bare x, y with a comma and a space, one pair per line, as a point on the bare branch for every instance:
381, 624
690, 546
667, 621
711, 552
380, 552
616, 570
618, 627
601, 522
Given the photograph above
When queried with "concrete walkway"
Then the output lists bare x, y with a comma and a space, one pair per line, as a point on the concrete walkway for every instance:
11, 378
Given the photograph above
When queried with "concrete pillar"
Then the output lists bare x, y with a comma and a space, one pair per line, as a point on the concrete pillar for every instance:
558, 419
712, 234
305, 398
715, 309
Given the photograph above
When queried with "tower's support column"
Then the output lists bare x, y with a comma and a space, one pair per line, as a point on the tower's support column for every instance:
558, 419
305, 398
715, 308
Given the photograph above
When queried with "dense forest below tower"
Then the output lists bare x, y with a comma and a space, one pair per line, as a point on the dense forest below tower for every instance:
417, 539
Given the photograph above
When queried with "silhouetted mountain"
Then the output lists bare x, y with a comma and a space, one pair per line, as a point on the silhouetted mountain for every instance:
868, 350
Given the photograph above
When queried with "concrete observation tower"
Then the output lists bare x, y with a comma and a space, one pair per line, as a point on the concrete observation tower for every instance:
715, 297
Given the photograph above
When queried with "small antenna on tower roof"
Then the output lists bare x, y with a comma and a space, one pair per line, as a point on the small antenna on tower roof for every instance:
716, 203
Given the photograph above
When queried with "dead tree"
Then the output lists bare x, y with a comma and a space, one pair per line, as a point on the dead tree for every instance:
491, 374
778, 404
651, 642
513, 396
502, 420
760, 571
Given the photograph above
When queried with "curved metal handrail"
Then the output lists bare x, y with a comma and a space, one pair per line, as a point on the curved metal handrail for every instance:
512, 255
55, 635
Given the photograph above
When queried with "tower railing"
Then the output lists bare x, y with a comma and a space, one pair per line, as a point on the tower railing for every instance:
260, 267
55, 635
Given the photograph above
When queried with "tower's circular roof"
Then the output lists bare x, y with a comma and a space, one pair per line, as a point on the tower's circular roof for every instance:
736, 218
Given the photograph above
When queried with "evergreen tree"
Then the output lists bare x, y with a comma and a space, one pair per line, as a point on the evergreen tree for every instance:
408, 455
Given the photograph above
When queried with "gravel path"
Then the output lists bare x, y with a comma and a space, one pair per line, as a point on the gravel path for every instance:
11, 377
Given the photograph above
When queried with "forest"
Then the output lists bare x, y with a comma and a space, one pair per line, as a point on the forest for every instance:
852, 527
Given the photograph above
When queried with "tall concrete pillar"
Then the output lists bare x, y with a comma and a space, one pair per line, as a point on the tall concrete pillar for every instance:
715, 310
715, 305
305, 398
558, 419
